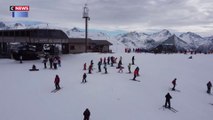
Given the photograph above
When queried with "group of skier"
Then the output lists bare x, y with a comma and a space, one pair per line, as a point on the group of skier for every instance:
54, 61
106, 62
169, 97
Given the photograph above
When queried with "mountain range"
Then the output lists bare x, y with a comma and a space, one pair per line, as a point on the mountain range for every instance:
185, 41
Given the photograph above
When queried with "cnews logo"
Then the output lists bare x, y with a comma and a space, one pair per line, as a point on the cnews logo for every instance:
19, 11
19, 8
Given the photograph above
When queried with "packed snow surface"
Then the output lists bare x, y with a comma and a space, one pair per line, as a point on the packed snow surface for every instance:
27, 95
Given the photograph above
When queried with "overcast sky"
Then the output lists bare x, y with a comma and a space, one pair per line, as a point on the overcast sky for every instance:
130, 15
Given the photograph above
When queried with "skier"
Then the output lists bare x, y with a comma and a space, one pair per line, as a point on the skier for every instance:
174, 84
51, 62
85, 66
55, 62
105, 68
209, 85
108, 60
104, 60
168, 97
45, 63
57, 81
90, 69
101, 60
133, 60
112, 61
129, 68
86, 114
84, 78
190, 57
119, 64
20, 58
91, 63
59, 61
99, 66
120, 60
120, 69
135, 74
137, 68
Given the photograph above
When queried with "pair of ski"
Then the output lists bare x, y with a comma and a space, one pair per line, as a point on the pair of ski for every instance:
171, 109
55, 90
135, 80
174, 90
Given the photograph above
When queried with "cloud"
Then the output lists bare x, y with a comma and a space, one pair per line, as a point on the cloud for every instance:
120, 14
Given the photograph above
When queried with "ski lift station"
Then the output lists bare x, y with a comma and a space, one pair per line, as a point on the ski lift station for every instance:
41, 39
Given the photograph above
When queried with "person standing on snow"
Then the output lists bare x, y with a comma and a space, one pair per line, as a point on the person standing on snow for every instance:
45, 63
133, 60
108, 60
135, 74
86, 114
99, 66
137, 69
57, 81
90, 69
84, 78
174, 84
129, 68
209, 85
85, 66
105, 68
20, 58
168, 103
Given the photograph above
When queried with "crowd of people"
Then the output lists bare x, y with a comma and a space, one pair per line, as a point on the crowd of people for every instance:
105, 62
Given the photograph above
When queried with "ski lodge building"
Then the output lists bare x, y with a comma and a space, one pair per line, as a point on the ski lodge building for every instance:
41, 37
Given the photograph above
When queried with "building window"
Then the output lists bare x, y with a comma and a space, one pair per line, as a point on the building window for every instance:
72, 47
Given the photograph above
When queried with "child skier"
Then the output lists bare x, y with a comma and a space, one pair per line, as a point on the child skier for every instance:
57, 81
84, 78
174, 84
209, 85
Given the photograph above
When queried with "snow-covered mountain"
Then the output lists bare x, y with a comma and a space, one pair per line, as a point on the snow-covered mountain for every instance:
143, 40
130, 39
194, 40
2, 25
160, 36
188, 41
177, 42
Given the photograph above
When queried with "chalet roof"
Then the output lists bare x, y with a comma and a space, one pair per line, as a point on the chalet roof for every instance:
79, 40
90, 41
101, 42
34, 33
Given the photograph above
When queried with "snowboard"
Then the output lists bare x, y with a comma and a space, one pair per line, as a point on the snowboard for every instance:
135, 80
33, 69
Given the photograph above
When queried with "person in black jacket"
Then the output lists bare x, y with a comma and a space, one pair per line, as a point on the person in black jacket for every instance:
168, 103
174, 84
209, 85
86, 114
84, 78
133, 60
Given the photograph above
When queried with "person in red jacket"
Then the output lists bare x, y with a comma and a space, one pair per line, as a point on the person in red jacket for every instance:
85, 66
90, 69
135, 74
174, 84
57, 81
